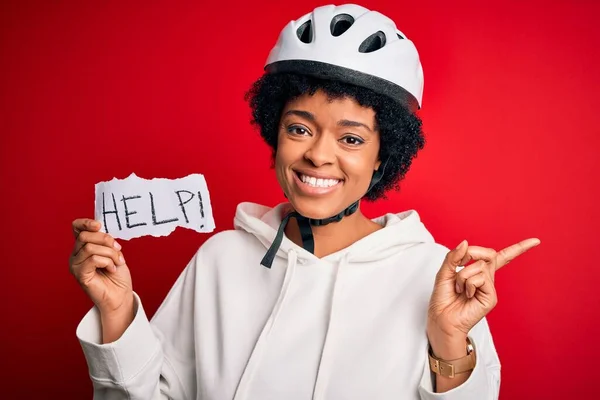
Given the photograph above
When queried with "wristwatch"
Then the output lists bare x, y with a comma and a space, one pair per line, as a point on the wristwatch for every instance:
449, 368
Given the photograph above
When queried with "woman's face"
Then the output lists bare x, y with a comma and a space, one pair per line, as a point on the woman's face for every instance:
327, 152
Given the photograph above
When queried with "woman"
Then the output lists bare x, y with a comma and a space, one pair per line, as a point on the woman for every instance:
310, 299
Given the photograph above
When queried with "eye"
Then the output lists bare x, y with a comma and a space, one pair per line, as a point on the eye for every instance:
297, 130
353, 140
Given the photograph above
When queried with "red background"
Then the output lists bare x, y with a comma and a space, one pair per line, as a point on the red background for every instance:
92, 92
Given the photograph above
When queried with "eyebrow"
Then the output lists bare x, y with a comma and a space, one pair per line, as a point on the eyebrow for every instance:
342, 122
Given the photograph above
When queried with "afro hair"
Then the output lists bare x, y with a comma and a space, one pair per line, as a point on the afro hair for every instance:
401, 135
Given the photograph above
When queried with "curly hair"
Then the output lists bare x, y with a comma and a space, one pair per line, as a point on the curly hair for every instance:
401, 134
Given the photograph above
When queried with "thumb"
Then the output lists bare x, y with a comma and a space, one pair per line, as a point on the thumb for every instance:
453, 259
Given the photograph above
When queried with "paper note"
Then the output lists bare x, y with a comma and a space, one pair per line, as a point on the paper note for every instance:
133, 207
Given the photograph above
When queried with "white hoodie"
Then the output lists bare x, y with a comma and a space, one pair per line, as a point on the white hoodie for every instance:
351, 325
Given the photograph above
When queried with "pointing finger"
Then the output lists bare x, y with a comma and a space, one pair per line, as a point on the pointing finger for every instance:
479, 253
509, 253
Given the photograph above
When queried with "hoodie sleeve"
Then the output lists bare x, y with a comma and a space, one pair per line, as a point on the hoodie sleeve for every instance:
151, 360
484, 381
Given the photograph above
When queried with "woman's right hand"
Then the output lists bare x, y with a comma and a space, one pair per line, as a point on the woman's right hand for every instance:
98, 265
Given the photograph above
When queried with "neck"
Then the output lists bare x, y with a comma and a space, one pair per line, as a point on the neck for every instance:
335, 236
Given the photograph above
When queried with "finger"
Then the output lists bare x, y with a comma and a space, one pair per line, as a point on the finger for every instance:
480, 282
509, 253
85, 224
99, 238
479, 253
452, 260
472, 253
484, 254
466, 273
90, 264
90, 249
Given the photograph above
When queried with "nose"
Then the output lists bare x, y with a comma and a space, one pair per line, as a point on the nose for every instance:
321, 151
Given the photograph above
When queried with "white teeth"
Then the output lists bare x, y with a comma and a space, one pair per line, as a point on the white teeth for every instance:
312, 181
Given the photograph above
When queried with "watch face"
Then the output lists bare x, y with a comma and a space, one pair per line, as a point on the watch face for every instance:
470, 347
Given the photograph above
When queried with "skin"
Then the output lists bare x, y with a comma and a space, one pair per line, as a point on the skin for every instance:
337, 139
98, 265
460, 300
316, 137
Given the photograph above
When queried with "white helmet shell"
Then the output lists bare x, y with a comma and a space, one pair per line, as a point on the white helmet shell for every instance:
352, 44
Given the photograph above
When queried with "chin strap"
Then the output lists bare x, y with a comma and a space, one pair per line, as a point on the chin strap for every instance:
304, 224
308, 241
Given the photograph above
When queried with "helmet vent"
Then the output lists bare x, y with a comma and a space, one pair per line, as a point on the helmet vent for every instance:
374, 42
340, 24
304, 32
400, 36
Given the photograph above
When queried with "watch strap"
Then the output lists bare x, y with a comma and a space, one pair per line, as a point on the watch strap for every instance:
449, 368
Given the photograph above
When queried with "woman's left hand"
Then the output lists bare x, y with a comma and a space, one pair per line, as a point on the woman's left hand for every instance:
460, 300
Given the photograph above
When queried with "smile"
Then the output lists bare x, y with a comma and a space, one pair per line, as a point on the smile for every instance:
312, 185
318, 182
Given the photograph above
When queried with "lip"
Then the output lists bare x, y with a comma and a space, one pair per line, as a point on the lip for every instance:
311, 190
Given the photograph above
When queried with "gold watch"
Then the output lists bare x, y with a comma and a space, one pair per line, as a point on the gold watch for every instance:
449, 368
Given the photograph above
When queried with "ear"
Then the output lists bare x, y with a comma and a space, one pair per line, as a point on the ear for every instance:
377, 165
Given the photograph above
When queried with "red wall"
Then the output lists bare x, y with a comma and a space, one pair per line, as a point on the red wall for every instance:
88, 93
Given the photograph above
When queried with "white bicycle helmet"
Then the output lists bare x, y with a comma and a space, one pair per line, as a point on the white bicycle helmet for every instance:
352, 44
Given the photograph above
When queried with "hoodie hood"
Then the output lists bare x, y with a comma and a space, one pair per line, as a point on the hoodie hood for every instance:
400, 231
